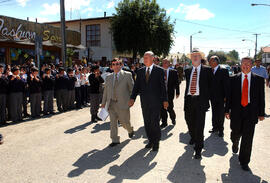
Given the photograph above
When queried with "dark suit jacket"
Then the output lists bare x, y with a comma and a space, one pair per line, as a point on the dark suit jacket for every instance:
205, 84
257, 100
173, 84
220, 85
153, 93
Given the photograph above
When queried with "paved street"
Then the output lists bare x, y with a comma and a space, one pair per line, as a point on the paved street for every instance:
69, 148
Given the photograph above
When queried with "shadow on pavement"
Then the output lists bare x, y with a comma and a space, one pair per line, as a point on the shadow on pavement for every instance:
184, 138
140, 133
78, 128
187, 169
100, 127
215, 145
165, 133
97, 159
237, 175
134, 167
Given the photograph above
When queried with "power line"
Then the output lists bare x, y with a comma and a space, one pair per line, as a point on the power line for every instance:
5, 1
215, 27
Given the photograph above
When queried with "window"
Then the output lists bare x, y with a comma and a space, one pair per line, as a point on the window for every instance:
93, 35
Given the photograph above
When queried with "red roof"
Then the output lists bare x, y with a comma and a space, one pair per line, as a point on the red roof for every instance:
266, 49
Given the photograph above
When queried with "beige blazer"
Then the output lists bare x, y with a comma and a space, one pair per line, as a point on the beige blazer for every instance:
123, 90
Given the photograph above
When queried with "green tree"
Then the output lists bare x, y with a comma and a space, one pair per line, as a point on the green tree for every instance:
141, 25
221, 54
233, 56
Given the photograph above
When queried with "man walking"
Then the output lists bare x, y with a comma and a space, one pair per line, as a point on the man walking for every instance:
244, 107
150, 84
117, 91
172, 87
221, 88
196, 102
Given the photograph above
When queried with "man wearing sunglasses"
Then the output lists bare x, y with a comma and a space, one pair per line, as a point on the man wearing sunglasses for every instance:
117, 90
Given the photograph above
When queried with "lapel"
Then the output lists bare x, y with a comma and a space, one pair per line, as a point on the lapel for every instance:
188, 75
239, 84
152, 72
200, 78
144, 75
252, 85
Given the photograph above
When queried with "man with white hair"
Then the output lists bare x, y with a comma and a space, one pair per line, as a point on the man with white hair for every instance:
150, 84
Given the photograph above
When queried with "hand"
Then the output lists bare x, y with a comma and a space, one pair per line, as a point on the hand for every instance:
165, 105
227, 115
102, 106
261, 118
177, 96
131, 102
18, 77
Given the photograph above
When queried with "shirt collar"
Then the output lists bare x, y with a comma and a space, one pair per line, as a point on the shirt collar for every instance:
248, 74
151, 67
216, 68
198, 68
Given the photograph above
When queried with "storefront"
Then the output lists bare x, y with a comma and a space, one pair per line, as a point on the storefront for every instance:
17, 41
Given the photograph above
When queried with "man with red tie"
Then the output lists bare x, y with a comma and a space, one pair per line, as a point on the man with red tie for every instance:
244, 107
196, 103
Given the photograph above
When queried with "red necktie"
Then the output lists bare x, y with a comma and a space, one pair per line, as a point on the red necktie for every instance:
244, 100
193, 83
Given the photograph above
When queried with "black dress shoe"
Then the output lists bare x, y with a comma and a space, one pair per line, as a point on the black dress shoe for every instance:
198, 155
235, 147
213, 131
173, 122
191, 142
52, 113
163, 125
221, 134
245, 167
155, 147
97, 118
130, 135
114, 144
149, 145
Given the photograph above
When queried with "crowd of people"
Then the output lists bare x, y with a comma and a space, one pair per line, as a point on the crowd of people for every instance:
239, 98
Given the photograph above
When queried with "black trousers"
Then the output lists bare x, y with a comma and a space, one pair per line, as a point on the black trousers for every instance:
78, 97
243, 127
151, 118
218, 116
170, 110
84, 94
195, 119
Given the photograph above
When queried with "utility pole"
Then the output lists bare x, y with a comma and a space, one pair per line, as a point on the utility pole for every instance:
191, 44
63, 31
256, 45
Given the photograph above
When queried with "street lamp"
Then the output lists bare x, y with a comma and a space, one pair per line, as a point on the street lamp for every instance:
253, 42
260, 4
191, 39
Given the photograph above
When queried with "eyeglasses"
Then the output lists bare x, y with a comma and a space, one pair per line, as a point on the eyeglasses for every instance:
116, 64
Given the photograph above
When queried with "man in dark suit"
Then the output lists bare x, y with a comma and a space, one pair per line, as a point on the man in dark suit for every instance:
221, 88
196, 102
172, 87
245, 106
150, 85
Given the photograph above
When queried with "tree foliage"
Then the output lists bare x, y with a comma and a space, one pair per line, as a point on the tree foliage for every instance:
141, 25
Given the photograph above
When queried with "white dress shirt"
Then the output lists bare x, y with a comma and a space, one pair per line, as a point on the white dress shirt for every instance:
151, 68
198, 79
166, 82
249, 79
215, 69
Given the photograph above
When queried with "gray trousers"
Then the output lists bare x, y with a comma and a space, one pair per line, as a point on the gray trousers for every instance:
61, 100
15, 101
3, 100
124, 118
48, 101
35, 103
94, 103
71, 99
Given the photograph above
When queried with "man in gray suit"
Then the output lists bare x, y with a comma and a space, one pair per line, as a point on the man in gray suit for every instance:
118, 88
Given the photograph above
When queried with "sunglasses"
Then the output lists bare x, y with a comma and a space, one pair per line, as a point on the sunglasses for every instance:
116, 64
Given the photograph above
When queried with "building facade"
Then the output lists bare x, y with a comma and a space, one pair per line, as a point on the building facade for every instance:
266, 55
95, 36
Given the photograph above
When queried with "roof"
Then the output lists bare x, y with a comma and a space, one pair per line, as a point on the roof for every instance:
266, 49
85, 19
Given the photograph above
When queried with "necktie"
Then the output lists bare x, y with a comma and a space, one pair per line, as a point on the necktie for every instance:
193, 83
147, 74
114, 87
244, 99
165, 74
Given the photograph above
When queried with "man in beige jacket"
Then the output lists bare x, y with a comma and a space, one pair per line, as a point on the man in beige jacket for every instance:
117, 91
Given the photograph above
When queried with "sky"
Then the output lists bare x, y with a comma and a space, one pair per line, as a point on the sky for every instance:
223, 23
